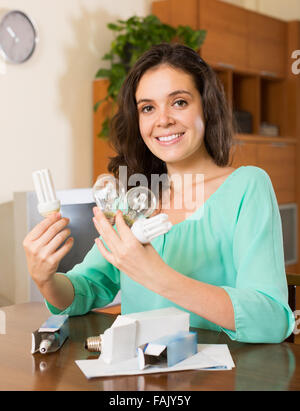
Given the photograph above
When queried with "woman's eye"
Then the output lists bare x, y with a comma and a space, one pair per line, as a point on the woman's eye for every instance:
146, 109
180, 103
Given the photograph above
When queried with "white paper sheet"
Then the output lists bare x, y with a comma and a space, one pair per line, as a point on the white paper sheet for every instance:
209, 357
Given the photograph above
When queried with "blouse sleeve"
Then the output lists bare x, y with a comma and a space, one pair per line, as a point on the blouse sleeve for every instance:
260, 295
95, 281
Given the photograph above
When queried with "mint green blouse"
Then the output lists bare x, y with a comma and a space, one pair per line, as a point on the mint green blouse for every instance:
233, 241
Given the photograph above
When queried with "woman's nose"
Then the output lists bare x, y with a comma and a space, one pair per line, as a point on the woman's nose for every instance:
165, 119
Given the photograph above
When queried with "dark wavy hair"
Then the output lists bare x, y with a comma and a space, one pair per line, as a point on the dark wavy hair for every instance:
126, 139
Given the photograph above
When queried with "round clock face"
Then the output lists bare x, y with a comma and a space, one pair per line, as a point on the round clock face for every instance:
17, 37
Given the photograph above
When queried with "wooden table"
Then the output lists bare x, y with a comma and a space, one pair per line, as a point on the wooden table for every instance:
258, 366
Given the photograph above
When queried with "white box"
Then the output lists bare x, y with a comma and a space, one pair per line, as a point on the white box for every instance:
128, 332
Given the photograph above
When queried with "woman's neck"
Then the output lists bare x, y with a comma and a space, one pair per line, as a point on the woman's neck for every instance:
200, 163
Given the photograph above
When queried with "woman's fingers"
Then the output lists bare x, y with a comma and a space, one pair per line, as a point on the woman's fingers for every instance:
56, 241
52, 231
123, 229
122, 245
62, 251
42, 227
106, 230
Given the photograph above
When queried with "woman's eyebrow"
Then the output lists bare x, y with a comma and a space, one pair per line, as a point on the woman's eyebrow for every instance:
174, 93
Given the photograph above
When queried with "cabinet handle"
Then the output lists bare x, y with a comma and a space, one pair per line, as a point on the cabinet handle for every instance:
268, 74
226, 65
278, 145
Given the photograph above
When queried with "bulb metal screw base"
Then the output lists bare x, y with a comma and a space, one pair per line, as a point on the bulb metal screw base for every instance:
93, 344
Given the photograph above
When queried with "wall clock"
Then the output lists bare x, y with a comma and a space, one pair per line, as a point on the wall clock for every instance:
18, 37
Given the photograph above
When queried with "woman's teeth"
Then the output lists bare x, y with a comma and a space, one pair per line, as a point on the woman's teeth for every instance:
170, 138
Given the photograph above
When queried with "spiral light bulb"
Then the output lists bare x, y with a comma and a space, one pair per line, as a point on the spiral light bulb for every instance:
140, 202
108, 194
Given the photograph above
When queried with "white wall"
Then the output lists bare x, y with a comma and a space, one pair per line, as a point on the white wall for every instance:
281, 9
46, 103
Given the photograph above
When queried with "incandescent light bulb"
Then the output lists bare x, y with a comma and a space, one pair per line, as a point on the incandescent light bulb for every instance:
108, 193
139, 202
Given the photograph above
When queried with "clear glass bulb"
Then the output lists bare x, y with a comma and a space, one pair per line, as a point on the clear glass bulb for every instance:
139, 202
109, 195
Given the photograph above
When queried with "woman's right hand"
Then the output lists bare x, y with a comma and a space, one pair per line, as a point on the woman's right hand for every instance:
41, 247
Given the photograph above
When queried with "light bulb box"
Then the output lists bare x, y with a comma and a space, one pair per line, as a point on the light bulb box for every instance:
168, 350
120, 342
57, 325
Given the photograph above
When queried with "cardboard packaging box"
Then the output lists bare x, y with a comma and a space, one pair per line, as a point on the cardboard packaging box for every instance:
128, 332
51, 335
168, 350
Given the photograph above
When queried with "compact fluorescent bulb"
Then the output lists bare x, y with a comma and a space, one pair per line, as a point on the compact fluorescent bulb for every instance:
146, 229
44, 187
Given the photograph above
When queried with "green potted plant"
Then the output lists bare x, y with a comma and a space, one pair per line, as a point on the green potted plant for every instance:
133, 37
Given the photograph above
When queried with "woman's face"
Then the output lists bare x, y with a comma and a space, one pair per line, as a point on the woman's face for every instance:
170, 112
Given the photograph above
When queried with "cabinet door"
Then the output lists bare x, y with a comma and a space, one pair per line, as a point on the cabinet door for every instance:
226, 41
161, 9
184, 13
175, 12
279, 161
243, 154
267, 42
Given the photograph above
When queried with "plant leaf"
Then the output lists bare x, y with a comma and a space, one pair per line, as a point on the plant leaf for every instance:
103, 73
104, 133
96, 105
114, 27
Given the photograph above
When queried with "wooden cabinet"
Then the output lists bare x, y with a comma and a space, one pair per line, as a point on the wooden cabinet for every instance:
242, 39
226, 41
274, 104
184, 16
277, 158
246, 95
172, 12
264, 97
236, 37
244, 154
267, 44
293, 118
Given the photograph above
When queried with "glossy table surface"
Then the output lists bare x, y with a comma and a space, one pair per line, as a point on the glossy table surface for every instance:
258, 366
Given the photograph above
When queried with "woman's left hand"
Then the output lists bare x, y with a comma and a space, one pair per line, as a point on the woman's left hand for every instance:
140, 262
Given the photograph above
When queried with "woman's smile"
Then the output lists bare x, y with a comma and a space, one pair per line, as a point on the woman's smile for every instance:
168, 140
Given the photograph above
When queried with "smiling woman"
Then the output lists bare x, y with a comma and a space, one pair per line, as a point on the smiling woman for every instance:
222, 261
